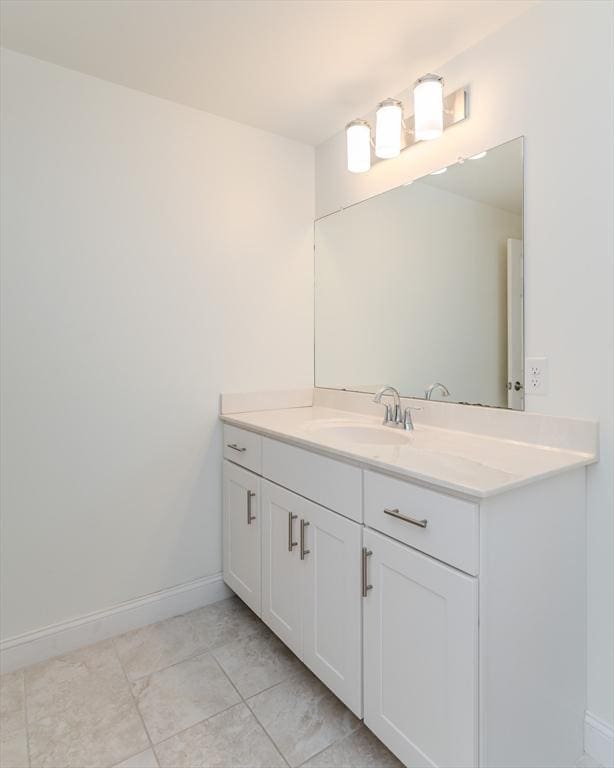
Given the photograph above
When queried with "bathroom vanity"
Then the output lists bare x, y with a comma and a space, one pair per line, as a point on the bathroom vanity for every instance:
434, 580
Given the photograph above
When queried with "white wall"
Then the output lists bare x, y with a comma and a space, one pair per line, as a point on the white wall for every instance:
152, 256
547, 75
395, 277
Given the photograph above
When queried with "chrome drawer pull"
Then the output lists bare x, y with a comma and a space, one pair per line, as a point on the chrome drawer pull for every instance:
365, 587
412, 520
291, 543
250, 517
304, 551
235, 447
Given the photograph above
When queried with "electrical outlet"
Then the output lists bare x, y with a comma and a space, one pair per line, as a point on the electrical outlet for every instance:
536, 376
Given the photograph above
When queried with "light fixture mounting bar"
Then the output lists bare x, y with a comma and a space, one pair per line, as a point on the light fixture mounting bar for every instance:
455, 110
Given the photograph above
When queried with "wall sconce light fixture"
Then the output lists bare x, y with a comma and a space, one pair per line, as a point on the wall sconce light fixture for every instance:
394, 132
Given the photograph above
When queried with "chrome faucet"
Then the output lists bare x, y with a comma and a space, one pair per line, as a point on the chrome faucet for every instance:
436, 385
394, 416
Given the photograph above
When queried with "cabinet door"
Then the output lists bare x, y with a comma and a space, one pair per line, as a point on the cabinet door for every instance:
420, 656
281, 572
242, 527
332, 621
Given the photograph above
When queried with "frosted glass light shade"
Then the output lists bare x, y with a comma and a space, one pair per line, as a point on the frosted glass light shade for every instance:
428, 107
358, 135
389, 117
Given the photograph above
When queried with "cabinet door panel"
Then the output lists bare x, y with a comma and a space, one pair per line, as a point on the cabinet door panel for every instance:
242, 535
281, 571
420, 656
332, 642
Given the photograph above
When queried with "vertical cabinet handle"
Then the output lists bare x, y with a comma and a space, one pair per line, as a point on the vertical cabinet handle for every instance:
250, 517
291, 543
304, 551
366, 553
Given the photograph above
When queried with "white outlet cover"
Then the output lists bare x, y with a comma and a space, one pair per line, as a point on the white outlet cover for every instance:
536, 376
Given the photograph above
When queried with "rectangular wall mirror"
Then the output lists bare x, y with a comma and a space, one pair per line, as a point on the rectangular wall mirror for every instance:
424, 284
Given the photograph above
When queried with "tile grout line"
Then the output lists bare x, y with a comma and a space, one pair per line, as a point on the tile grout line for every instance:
332, 744
335, 741
136, 706
244, 702
221, 712
200, 722
201, 652
268, 735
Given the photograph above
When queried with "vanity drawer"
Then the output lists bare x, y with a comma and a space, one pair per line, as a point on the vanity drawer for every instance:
243, 447
330, 483
451, 533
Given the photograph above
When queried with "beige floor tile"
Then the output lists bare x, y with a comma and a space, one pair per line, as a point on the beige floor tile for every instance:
360, 749
14, 750
81, 713
180, 696
257, 662
100, 730
223, 622
79, 679
232, 739
157, 646
145, 759
12, 707
302, 716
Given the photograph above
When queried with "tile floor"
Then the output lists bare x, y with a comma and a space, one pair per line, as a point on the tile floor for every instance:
211, 688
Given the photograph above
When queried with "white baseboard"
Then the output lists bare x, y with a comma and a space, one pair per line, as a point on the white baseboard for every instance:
56, 639
599, 740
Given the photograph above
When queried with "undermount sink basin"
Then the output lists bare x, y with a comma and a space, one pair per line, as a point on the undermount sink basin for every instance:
364, 434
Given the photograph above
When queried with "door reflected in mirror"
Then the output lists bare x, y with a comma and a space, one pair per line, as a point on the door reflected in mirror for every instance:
421, 287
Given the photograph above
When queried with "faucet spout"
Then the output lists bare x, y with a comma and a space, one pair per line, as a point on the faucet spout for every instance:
428, 393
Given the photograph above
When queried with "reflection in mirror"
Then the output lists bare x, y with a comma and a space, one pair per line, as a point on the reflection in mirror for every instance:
422, 286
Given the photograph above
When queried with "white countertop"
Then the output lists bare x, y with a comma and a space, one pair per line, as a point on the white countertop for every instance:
471, 464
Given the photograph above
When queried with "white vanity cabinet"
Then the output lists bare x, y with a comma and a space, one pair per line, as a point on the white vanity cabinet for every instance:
282, 574
420, 655
296, 563
242, 526
310, 592
451, 621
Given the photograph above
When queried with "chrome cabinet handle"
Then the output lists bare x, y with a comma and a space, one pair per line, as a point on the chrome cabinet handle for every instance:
366, 553
304, 551
412, 520
250, 517
235, 447
291, 543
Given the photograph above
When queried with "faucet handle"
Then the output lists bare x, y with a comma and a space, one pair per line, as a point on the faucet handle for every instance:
408, 423
388, 414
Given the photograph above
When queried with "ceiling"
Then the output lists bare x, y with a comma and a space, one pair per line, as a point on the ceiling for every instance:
300, 68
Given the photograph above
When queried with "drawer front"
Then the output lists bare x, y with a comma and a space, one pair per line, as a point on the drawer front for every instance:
243, 447
328, 482
439, 525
